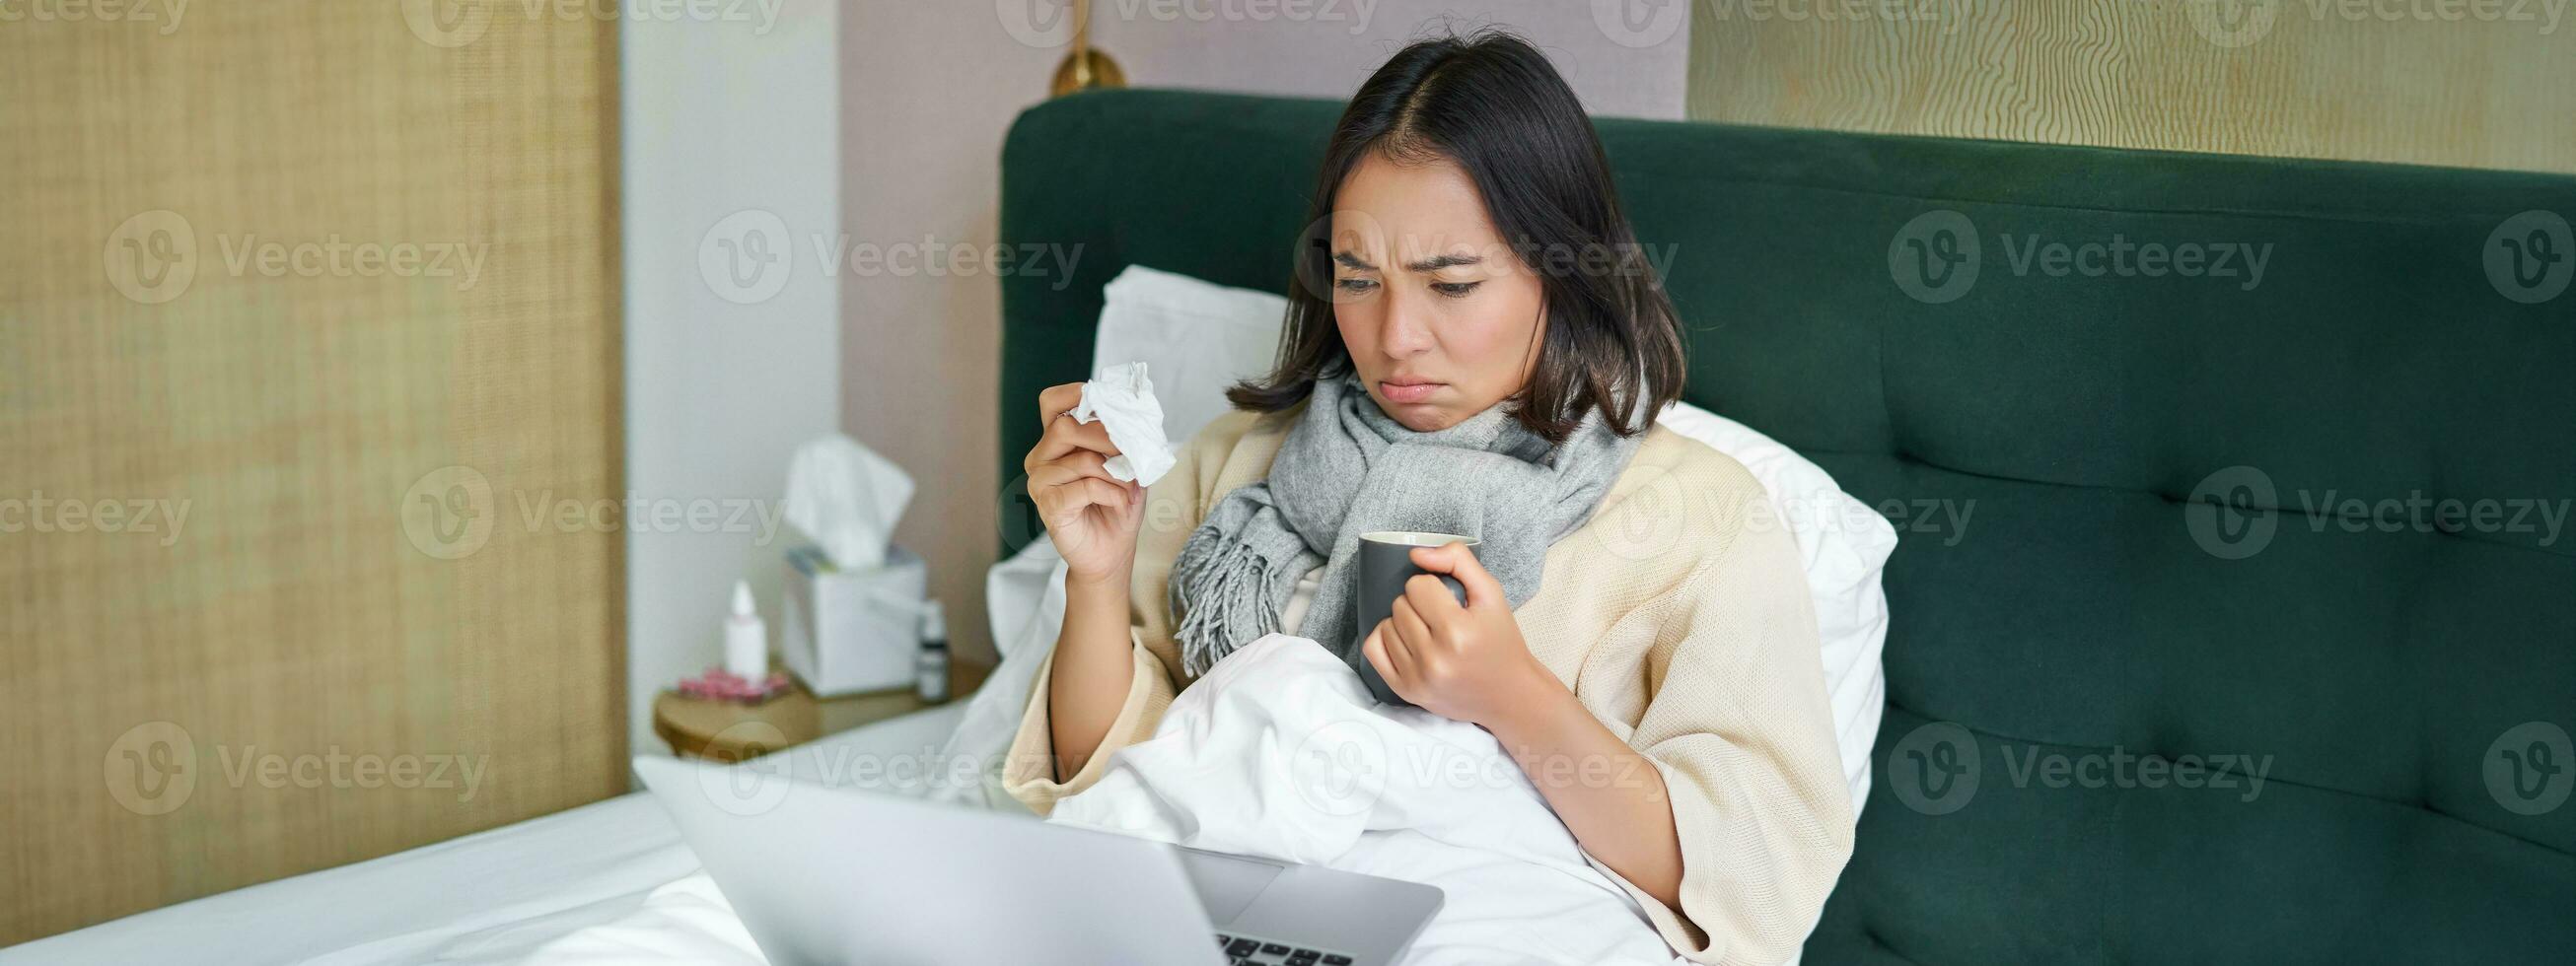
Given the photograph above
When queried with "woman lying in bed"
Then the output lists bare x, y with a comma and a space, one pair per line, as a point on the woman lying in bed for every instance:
1476, 345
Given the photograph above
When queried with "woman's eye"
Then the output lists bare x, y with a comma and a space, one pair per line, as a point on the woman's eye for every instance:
1454, 289
1354, 284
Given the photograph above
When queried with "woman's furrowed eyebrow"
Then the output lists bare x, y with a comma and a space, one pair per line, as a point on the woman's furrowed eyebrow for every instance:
1438, 262
1432, 264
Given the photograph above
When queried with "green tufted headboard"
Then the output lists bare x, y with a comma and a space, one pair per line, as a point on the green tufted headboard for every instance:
2086, 627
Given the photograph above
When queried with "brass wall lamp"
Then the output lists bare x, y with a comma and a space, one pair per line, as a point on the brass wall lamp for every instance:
1085, 68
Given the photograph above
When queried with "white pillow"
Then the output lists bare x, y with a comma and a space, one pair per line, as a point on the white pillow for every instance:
1207, 336
1024, 596
1195, 338
1844, 545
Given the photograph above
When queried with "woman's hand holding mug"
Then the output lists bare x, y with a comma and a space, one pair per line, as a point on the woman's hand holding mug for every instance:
1466, 662
1093, 517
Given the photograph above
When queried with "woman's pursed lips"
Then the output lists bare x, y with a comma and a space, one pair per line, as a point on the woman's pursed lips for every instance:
1407, 389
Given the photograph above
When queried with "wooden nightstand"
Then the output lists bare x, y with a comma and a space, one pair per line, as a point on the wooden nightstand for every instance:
727, 731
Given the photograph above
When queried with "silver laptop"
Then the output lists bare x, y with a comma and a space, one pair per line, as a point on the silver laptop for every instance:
828, 875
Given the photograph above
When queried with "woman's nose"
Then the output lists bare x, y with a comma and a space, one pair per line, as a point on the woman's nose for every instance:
1406, 329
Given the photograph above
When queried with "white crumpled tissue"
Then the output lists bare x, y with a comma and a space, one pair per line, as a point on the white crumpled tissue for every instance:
848, 498
1122, 398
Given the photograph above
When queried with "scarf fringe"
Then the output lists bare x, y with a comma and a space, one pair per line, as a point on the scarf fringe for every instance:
1230, 588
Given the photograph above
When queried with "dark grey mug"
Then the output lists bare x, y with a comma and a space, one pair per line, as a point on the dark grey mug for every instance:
1386, 562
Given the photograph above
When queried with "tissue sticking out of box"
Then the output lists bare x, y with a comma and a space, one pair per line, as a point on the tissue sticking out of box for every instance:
1121, 398
847, 498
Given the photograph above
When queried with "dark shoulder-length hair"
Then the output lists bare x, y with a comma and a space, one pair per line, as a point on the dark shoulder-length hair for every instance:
1494, 106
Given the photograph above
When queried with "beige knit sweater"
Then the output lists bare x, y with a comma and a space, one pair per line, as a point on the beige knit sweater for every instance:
1678, 616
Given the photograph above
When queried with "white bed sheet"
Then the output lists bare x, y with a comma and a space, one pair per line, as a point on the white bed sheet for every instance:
491, 897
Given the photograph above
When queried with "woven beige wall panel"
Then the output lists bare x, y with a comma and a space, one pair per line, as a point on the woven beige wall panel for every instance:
2371, 81
304, 308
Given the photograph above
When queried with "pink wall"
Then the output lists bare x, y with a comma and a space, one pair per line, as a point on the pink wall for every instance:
927, 92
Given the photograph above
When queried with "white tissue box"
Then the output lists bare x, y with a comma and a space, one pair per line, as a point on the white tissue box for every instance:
854, 630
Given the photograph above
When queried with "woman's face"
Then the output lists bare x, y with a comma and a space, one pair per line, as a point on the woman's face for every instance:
1441, 317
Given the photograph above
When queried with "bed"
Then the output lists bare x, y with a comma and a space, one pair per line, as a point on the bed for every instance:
491, 897
2090, 603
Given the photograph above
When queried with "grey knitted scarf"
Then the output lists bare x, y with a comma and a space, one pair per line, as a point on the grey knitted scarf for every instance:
1347, 468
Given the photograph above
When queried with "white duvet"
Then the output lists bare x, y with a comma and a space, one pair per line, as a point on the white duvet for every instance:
1280, 752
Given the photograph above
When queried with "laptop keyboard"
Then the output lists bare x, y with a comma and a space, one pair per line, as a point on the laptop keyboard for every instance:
1255, 951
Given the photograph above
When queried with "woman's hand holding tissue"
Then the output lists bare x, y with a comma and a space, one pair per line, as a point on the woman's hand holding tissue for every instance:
1092, 516
1468, 663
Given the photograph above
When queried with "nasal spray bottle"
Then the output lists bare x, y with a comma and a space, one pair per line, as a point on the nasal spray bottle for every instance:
746, 638
932, 665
